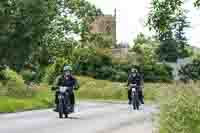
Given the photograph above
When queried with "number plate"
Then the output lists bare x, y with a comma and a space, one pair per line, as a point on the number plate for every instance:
62, 89
133, 89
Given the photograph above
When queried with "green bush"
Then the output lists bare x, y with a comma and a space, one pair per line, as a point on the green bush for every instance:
28, 75
157, 72
180, 113
14, 84
52, 71
120, 76
99, 63
104, 72
191, 71
50, 75
93, 62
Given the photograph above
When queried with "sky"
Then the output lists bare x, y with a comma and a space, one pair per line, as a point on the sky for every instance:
132, 15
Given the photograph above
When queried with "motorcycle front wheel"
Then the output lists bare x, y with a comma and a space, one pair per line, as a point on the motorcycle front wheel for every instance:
60, 108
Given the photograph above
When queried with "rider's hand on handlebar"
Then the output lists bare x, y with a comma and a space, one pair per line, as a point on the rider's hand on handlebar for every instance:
53, 88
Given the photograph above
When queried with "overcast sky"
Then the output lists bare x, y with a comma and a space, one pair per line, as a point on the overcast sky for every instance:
131, 15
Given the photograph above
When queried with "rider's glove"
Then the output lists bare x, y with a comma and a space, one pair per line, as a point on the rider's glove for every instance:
54, 88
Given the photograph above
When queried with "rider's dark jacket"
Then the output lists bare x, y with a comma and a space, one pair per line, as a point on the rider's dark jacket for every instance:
71, 82
134, 80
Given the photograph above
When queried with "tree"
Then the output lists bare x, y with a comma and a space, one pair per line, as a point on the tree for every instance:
197, 3
86, 14
167, 51
24, 23
34, 30
162, 14
100, 40
169, 21
141, 39
181, 24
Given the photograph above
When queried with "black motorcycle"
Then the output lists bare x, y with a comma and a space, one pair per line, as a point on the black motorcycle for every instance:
64, 104
135, 97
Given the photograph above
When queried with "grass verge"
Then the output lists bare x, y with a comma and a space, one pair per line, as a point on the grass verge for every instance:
90, 89
42, 99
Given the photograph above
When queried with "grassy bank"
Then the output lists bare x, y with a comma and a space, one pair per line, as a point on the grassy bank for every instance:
107, 90
42, 99
100, 89
180, 109
90, 89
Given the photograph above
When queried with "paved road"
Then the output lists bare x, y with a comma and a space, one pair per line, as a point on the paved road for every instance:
89, 118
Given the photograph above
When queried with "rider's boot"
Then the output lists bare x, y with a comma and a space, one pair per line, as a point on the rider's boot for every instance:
129, 102
56, 108
142, 100
72, 108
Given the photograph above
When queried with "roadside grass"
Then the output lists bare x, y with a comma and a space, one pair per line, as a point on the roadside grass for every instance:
90, 89
101, 89
107, 90
180, 109
42, 99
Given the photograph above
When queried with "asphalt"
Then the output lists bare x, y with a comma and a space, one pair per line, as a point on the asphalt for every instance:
89, 117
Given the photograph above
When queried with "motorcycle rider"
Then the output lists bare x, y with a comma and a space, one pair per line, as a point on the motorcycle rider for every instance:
66, 79
135, 78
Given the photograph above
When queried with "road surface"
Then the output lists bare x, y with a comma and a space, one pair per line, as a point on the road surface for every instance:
89, 118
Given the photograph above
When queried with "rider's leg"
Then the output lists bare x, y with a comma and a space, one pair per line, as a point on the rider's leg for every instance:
141, 97
72, 99
129, 96
56, 101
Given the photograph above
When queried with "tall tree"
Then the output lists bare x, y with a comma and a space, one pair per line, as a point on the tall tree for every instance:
23, 24
168, 19
180, 25
34, 28
197, 3
86, 14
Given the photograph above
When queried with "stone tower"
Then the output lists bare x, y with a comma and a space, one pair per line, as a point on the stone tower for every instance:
114, 27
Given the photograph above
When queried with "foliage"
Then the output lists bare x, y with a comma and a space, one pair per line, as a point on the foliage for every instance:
142, 39
168, 51
85, 13
100, 41
162, 14
28, 75
91, 61
33, 32
191, 71
23, 23
197, 3
180, 111
157, 72
13, 84
168, 19
54, 70
146, 52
